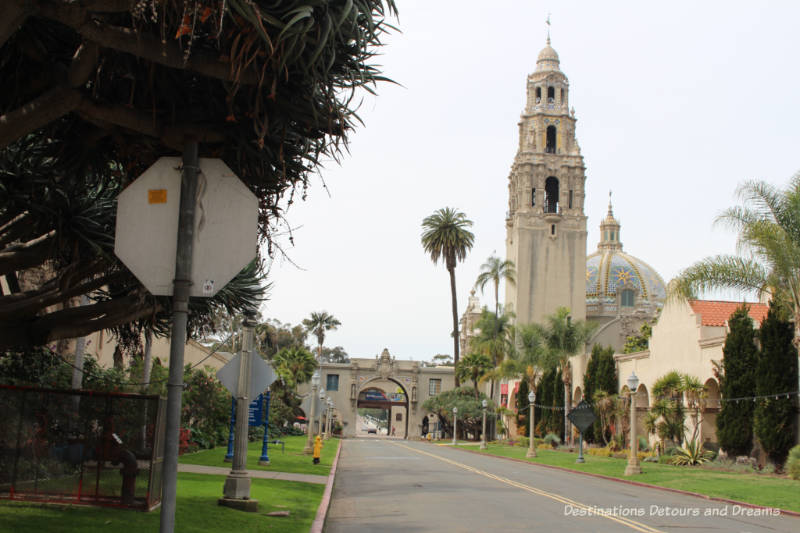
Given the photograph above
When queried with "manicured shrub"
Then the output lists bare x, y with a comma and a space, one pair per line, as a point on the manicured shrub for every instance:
735, 419
776, 371
793, 463
552, 439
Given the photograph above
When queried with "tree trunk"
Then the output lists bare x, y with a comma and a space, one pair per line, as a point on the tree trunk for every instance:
455, 320
567, 409
148, 358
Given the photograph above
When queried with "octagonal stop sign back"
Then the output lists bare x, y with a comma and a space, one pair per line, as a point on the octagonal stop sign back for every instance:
225, 226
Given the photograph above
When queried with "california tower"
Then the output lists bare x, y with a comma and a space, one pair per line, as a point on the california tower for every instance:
546, 225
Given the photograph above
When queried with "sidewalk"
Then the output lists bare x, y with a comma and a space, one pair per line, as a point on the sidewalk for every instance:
261, 474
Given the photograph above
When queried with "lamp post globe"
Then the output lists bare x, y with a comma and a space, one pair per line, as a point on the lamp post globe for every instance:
531, 425
484, 404
633, 466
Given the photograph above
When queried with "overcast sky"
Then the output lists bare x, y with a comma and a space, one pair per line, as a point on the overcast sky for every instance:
677, 103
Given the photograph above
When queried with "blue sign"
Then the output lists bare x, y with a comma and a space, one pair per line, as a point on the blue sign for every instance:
255, 411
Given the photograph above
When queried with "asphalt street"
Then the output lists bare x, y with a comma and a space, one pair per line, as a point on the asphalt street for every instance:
400, 486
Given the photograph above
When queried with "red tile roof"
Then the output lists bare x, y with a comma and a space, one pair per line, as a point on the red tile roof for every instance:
716, 313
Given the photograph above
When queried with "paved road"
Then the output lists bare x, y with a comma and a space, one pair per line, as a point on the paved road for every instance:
390, 485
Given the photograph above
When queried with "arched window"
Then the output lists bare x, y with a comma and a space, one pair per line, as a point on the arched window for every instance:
550, 147
562, 96
551, 95
533, 196
627, 298
551, 195
538, 94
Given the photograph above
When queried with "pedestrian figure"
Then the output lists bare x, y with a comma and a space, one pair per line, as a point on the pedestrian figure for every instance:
392, 431
317, 449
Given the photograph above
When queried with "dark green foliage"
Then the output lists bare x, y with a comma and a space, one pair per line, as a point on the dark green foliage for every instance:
470, 411
523, 409
550, 394
735, 419
601, 374
640, 342
776, 371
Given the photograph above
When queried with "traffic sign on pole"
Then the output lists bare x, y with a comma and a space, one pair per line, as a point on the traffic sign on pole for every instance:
225, 226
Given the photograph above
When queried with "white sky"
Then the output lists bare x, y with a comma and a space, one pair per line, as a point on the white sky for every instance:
677, 103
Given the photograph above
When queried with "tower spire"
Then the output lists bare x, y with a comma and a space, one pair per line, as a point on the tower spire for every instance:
548, 28
610, 211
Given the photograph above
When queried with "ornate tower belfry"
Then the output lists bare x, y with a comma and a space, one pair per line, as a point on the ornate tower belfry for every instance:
546, 225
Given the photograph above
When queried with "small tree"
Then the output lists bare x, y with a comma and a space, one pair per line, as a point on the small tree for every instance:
735, 419
473, 367
776, 371
470, 410
600, 376
640, 342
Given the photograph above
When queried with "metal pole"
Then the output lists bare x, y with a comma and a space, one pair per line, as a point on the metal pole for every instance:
580, 458
180, 315
229, 454
455, 428
237, 484
532, 423
311, 419
483, 431
264, 459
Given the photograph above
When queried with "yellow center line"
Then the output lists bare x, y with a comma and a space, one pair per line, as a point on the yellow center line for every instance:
591, 510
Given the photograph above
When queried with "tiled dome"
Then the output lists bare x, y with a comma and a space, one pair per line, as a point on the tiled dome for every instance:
548, 58
610, 270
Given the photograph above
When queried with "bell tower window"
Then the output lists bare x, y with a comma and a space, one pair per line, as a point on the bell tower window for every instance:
550, 147
551, 195
562, 96
533, 196
570, 199
538, 94
551, 95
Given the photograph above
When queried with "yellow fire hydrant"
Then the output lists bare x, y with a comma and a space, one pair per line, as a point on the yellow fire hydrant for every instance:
317, 449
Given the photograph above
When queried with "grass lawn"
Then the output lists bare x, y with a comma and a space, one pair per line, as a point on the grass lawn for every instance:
766, 490
197, 511
291, 460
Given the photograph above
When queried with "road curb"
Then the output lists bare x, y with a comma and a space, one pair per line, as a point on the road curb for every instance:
322, 510
636, 483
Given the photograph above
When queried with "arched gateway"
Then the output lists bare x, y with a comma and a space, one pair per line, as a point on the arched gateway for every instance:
397, 386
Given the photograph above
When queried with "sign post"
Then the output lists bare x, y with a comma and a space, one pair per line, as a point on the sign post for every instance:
582, 417
184, 228
264, 459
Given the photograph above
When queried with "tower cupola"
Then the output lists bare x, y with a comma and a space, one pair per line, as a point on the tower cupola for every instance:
609, 231
548, 59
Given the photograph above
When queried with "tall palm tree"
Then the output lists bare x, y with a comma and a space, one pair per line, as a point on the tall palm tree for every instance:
445, 236
565, 337
495, 269
474, 366
317, 324
493, 339
768, 222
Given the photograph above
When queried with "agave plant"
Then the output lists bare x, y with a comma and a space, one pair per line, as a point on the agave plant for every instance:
692, 454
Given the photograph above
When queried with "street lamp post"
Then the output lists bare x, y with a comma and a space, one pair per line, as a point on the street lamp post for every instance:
532, 423
455, 424
328, 418
321, 410
484, 403
312, 415
633, 460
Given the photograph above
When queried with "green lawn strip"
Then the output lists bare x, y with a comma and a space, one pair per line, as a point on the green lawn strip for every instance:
756, 489
197, 511
291, 460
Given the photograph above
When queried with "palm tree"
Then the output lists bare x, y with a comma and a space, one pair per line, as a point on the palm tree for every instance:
565, 338
529, 357
294, 365
474, 366
445, 235
493, 339
318, 324
495, 269
768, 222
